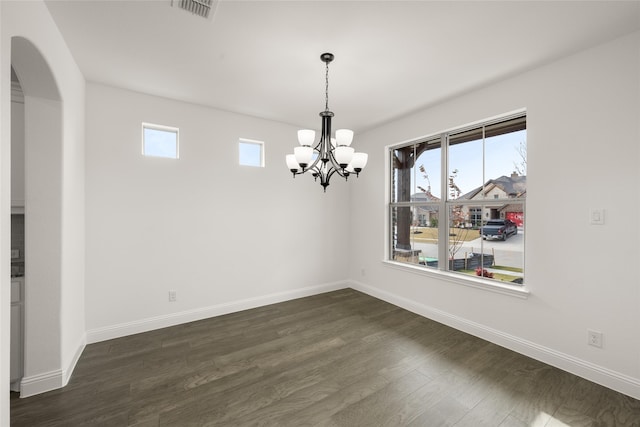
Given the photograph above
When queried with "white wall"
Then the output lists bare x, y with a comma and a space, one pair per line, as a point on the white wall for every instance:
17, 146
223, 236
583, 151
5, 227
42, 218
52, 83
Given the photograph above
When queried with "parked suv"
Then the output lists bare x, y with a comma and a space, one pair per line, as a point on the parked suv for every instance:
498, 229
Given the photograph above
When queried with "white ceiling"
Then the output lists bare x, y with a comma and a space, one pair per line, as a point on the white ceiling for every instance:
392, 57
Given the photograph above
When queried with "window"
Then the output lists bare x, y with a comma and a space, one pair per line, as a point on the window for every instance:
457, 201
159, 141
251, 153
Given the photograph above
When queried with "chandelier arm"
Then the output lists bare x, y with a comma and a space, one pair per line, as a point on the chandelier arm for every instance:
325, 177
315, 162
335, 164
301, 172
312, 165
341, 174
331, 172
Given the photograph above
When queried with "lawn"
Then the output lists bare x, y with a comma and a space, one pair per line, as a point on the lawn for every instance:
430, 234
496, 276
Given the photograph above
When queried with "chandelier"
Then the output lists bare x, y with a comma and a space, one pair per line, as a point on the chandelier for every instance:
329, 156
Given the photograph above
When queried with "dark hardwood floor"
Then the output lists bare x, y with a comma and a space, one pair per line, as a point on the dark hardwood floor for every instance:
337, 359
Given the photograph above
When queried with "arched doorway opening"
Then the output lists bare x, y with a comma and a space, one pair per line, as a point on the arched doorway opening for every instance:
43, 124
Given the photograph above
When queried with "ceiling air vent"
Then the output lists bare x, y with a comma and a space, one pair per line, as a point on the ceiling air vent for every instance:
197, 7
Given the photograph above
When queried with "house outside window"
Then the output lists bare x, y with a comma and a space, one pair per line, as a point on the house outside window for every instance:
457, 201
475, 215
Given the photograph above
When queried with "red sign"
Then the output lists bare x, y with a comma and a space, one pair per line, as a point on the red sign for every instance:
517, 217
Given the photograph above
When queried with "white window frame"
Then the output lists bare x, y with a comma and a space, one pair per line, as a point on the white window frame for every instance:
519, 291
251, 142
162, 128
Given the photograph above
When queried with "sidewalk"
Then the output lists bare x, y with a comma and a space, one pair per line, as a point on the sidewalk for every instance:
504, 272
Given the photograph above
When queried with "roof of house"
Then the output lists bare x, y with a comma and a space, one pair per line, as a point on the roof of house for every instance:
512, 185
424, 196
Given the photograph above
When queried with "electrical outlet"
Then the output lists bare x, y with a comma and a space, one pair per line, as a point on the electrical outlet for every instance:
596, 216
173, 296
594, 338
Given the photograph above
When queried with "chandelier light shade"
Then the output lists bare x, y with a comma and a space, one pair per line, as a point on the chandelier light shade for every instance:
331, 155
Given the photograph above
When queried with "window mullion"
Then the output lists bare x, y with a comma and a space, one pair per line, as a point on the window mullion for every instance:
443, 215
484, 181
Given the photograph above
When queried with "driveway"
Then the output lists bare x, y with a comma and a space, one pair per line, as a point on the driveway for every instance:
508, 253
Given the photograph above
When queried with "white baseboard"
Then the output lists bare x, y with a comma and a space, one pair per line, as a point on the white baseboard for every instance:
41, 383
66, 373
592, 372
52, 380
172, 319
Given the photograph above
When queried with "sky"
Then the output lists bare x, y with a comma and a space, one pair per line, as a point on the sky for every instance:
501, 155
160, 143
250, 153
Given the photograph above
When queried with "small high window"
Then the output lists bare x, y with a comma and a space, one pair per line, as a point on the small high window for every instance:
251, 153
159, 141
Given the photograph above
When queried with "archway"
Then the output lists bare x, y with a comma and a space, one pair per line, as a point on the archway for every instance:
43, 121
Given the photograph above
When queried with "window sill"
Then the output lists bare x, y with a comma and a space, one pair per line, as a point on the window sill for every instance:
472, 282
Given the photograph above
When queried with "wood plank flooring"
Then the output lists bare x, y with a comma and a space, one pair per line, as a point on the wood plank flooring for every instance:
337, 359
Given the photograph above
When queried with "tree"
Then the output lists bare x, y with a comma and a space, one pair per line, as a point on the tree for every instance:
454, 190
457, 235
425, 176
521, 166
